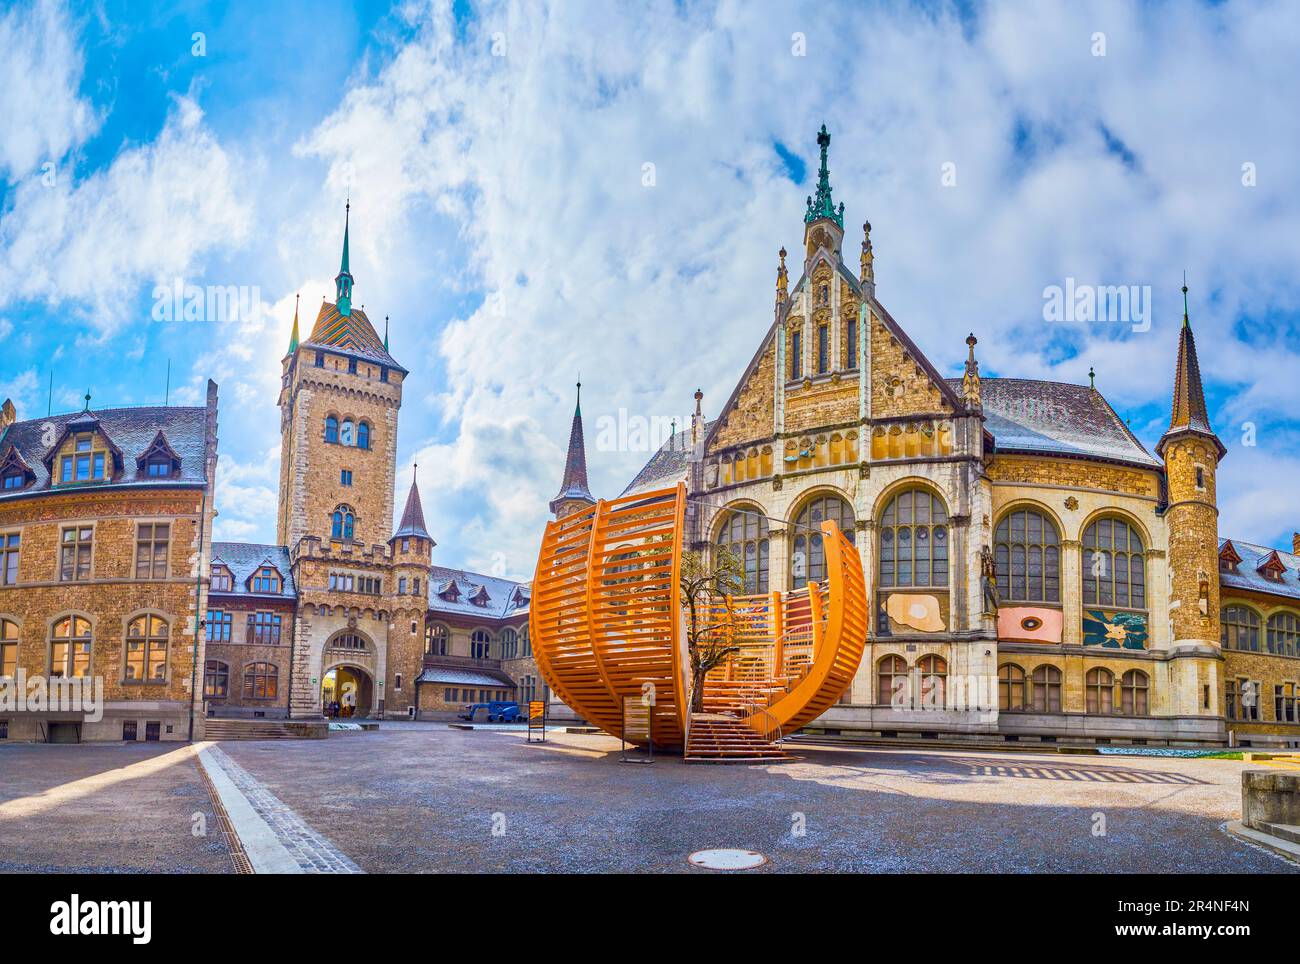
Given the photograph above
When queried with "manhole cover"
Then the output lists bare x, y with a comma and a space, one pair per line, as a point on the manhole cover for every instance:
727, 859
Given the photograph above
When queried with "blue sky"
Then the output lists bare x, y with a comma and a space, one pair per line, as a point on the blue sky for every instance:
496, 155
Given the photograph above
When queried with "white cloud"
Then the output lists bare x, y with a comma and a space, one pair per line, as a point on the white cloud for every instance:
40, 72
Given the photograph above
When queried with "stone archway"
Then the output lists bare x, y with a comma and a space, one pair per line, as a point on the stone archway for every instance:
351, 687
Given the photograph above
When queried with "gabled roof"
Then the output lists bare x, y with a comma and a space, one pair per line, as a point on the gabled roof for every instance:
129, 430
1055, 418
350, 334
668, 466
1228, 552
10, 459
243, 559
1249, 577
503, 595
158, 446
1271, 564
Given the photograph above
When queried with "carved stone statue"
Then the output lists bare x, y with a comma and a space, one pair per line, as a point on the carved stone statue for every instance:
989, 582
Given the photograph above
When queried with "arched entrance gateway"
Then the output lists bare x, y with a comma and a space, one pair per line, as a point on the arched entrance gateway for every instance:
348, 675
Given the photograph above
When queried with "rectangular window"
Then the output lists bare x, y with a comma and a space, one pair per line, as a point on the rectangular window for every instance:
221, 579
14, 480
74, 558
152, 731
401, 586
320, 359
151, 543
851, 329
352, 366
796, 354
345, 476
823, 349
9, 658
158, 468
264, 629
129, 730
383, 373
266, 581
9, 545
218, 626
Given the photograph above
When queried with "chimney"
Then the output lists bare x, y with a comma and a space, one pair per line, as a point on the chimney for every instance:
9, 415
1295, 543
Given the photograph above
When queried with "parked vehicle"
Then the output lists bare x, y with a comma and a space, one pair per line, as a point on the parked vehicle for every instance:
498, 711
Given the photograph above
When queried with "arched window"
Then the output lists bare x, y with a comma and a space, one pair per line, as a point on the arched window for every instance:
891, 681
1239, 628
8, 648
146, 649
808, 556
1099, 690
509, 643
934, 682
435, 640
261, 681
1133, 689
70, 646
1114, 565
216, 680
1027, 554
363, 435
346, 433
744, 532
348, 641
1284, 634
480, 644
526, 642
914, 541
1046, 689
331, 428
1011, 688
342, 522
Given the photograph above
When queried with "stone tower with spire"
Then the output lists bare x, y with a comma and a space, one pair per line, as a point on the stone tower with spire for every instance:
574, 495
407, 591
1192, 453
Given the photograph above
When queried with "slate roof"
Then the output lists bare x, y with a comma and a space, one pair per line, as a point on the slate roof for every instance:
243, 558
501, 594
350, 334
1038, 417
668, 466
484, 677
131, 430
1250, 578
412, 523
574, 483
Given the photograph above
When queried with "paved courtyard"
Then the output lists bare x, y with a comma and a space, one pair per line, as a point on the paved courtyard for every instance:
424, 797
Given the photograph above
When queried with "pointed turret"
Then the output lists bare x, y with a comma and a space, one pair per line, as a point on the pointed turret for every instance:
823, 221
343, 280
1189, 413
574, 494
412, 524
293, 335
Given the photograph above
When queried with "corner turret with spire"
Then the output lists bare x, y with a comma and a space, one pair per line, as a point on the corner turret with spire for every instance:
574, 495
343, 280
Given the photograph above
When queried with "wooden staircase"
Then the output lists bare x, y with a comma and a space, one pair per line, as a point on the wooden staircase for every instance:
719, 738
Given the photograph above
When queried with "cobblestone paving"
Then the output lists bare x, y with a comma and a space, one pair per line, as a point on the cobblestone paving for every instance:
313, 852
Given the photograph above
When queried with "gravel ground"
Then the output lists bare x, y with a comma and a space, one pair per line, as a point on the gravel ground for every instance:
430, 798
106, 808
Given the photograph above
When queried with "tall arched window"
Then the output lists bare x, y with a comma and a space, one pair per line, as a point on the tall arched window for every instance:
1284, 634
891, 681
1133, 689
808, 555
1114, 565
1046, 689
509, 643
346, 433
342, 522
363, 435
1239, 628
744, 532
1099, 690
216, 680
70, 646
526, 642
914, 541
146, 649
331, 428
261, 681
1027, 554
480, 644
8, 648
934, 682
435, 640
1011, 688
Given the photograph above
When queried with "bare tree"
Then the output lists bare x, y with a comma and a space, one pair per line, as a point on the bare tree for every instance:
706, 597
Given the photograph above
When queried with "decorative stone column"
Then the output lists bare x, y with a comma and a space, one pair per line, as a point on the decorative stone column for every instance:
1072, 591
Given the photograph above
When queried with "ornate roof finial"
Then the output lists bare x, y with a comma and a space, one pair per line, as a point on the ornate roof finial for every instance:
1092, 377
823, 205
699, 397
87, 408
970, 382
343, 280
782, 278
385, 333
1186, 323
868, 258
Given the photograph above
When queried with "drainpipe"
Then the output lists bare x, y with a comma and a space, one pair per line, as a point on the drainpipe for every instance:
198, 622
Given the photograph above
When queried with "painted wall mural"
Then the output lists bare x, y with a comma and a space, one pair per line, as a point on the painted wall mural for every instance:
912, 612
1114, 630
1030, 624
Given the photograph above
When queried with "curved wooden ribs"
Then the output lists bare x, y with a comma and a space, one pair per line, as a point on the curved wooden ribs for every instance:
606, 625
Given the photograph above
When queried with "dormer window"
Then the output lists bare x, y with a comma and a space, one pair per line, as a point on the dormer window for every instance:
13, 479
85, 464
222, 580
158, 461
1229, 560
267, 580
1272, 568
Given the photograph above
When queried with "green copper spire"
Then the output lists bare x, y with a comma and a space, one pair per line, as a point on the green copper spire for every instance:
343, 280
823, 206
1186, 323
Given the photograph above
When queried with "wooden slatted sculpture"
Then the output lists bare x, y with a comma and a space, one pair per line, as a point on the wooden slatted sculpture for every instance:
607, 626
